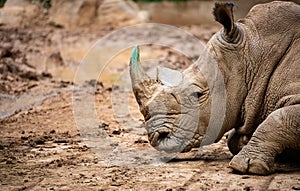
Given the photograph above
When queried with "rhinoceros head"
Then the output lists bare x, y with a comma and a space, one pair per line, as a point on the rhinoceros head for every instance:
175, 105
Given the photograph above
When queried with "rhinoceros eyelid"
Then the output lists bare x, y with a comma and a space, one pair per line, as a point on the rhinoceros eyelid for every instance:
201, 89
175, 97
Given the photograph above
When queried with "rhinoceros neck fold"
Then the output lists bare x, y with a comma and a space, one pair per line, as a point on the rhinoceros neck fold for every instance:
209, 69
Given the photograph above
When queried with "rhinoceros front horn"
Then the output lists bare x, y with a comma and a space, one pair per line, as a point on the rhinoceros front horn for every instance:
143, 86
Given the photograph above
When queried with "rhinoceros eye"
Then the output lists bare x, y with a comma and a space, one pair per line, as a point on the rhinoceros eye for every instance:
195, 97
196, 94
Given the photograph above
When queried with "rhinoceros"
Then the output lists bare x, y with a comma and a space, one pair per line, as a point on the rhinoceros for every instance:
258, 57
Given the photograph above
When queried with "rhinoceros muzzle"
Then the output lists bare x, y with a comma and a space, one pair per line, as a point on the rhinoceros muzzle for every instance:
157, 131
163, 139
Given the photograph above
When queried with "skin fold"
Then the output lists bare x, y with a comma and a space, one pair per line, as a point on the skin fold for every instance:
258, 57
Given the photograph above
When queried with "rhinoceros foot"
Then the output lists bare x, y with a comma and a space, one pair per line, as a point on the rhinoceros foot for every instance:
244, 163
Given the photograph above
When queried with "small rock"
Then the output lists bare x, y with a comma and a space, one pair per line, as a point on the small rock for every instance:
9, 161
39, 141
140, 140
52, 131
245, 177
247, 188
114, 144
91, 83
47, 75
103, 125
87, 181
115, 184
59, 164
24, 138
60, 140
116, 132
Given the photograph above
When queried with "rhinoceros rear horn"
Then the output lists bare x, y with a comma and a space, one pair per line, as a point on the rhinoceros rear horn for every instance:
223, 13
143, 86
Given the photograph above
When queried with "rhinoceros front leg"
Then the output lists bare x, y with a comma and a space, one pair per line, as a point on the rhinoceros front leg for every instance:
279, 131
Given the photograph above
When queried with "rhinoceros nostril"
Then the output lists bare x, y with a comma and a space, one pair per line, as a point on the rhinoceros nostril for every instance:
163, 135
153, 138
157, 137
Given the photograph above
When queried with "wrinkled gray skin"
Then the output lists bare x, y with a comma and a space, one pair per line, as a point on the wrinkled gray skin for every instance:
259, 59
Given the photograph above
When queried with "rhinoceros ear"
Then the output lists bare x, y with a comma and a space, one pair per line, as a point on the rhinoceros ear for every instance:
223, 13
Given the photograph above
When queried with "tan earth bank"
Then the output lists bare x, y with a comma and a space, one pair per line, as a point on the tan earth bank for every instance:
46, 144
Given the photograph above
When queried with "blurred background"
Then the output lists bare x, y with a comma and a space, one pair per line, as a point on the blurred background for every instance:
70, 13
61, 32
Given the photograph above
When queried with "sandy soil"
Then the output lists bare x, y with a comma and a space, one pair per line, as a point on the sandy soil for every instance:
46, 144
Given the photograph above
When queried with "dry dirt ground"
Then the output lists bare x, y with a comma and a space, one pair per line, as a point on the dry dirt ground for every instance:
50, 139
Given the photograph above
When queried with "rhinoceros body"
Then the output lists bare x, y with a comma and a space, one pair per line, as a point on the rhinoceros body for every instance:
258, 57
